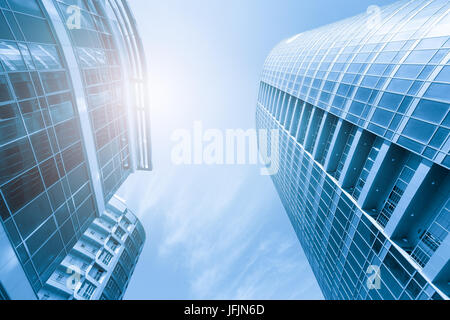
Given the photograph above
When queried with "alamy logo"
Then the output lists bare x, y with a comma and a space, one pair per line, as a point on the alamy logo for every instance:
229, 147
374, 278
374, 17
74, 19
74, 281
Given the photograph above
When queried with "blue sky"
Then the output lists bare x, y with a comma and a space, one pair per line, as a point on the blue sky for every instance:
216, 232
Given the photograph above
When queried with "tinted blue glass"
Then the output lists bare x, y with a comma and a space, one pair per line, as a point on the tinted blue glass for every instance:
390, 101
28, 6
11, 125
444, 75
15, 158
431, 111
439, 91
33, 215
419, 130
23, 189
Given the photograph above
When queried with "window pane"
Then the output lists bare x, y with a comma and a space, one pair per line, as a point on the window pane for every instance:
15, 158
419, 130
67, 133
420, 56
5, 93
444, 75
11, 57
438, 91
41, 235
54, 81
28, 6
46, 57
431, 111
22, 85
26, 56
11, 125
30, 217
41, 145
23, 189
34, 29
5, 33
32, 115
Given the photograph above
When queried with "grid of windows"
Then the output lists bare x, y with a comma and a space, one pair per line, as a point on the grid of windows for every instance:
96, 264
45, 191
339, 239
98, 58
392, 79
363, 169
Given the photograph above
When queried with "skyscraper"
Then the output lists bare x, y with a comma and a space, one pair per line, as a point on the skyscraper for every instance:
73, 126
362, 107
93, 270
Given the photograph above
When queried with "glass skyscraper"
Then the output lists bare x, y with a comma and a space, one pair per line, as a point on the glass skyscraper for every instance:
93, 271
73, 126
362, 107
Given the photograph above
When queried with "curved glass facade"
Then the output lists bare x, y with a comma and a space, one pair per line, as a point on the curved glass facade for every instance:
42, 160
68, 135
363, 109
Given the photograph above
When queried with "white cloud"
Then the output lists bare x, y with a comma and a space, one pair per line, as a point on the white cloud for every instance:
221, 234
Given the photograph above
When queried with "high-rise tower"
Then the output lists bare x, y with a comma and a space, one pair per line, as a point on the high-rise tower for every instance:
73, 126
362, 106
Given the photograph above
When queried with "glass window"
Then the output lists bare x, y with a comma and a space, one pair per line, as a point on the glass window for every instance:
22, 85
390, 101
41, 235
4, 212
419, 130
67, 231
11, 57
5, 32
382, 117
444, 75
426, 72
34, 29
62, 214
78, 178
67, 133
13, 25
432, 43
41, 145
48, 253
49, 172
356, 108
28, 6
61, 107
11, 125
26, 56
15, 158
439, 138
56, 195
377, 69
409, 71
32, 115
420, 56
33, 215
23, 189
431, 111
54, 81
399, 85
5, 93
438, 91
363, 94
46, 57
73, 157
